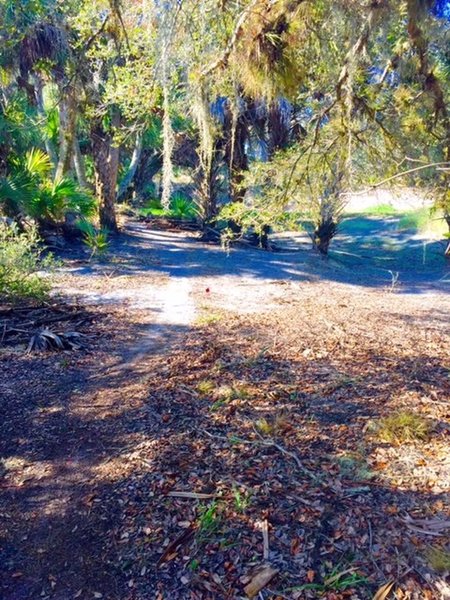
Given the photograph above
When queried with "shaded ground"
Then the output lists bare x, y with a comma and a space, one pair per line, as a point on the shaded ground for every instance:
255, 379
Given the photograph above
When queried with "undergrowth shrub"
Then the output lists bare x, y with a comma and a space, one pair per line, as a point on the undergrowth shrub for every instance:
21, 261
181, 207
95, 239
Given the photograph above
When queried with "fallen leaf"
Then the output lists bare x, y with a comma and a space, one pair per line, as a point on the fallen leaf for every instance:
171, 550
384, 591
310, 575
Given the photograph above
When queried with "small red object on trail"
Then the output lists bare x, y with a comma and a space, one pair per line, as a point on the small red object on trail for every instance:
207, 290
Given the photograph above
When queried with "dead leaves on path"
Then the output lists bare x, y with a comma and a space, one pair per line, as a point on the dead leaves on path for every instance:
252, 471
276, 444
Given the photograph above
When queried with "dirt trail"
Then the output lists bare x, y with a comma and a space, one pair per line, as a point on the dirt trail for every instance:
81, 433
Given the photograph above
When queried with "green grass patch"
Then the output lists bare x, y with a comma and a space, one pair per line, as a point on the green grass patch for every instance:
403, 427
207, 319
439, 558
205, 387
381, 210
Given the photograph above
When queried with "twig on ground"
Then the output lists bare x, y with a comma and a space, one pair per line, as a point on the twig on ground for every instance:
268, 443
265, 534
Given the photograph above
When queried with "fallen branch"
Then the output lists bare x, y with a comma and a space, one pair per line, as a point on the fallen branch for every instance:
193, 495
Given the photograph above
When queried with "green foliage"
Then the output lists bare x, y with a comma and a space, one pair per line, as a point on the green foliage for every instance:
380, 210
365, 106
336, 580
242, 500
21, 262
181, 207
415, 220
209, 519
205, 387
29, 190
50, 128
95, 239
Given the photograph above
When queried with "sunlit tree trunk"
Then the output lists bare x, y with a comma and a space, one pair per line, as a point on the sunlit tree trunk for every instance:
67, 125
106, 164
129, 175
78, 164
236, 135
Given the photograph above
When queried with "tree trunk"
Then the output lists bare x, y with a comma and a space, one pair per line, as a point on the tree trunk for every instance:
324, 232
237, 158
207, 186
149, 166
67, 125
129, 175
447, 249
106, 164
78, 163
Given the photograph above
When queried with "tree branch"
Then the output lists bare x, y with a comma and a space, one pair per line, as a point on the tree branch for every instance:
396, 176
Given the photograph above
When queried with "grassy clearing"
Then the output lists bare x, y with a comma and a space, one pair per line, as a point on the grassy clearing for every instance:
420, 220
381, 210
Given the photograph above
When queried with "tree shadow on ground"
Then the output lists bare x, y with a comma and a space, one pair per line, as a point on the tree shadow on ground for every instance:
140, 250
90, 458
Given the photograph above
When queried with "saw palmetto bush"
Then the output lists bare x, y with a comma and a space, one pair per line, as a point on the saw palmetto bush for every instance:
95, 239
29, 191
21, 265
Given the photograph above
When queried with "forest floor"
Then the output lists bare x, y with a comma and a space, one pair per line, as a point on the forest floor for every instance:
223, 435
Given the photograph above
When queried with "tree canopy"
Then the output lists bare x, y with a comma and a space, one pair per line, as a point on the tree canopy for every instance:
271, 107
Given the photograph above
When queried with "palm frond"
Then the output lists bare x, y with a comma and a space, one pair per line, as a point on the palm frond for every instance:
37, 163
75, 199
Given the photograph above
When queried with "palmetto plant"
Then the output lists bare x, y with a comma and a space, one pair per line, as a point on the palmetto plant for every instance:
95, 239
182, 207
29, 191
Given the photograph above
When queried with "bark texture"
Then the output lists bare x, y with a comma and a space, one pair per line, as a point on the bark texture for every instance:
106, 164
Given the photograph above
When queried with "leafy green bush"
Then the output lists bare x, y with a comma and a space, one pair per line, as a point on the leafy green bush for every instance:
20, 262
